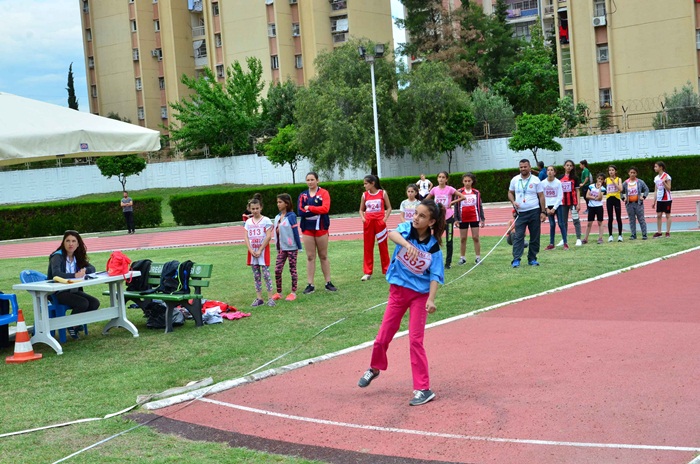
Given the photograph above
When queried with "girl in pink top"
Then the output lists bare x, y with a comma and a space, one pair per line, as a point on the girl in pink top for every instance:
446, 196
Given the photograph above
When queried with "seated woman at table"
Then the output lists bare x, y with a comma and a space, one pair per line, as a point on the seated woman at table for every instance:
70, 261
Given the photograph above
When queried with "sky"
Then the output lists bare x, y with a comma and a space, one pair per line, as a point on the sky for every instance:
41, 38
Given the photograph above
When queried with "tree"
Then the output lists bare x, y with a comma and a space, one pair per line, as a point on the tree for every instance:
532, 83
436, 112
121, 166
494, 110
223, 117
72, 100
278, 107
680, 109
283, 149
501, 48
334, 113
535, 131
113, 115
571, 115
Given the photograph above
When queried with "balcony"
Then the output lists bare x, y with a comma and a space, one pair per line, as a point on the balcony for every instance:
198, 31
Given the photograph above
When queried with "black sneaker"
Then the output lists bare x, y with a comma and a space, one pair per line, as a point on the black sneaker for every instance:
330, 287
309, 289
367, 378
73, 332
421, 397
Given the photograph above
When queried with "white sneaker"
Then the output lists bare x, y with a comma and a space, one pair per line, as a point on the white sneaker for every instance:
561, 242
366, 277
578, 242
619, 238
610, 239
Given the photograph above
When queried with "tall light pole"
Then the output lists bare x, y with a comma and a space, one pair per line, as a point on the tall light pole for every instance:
369, 58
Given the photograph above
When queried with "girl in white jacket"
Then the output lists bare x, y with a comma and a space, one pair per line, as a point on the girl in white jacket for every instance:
553, 195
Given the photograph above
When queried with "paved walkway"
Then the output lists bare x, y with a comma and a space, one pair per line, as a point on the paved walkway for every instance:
349, 228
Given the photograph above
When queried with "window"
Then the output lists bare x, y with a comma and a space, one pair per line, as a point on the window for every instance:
275, 61
292, 2
156, 25
298, 62
697, 39
217, 40
164, 112
215, 9
522, 31
93, 90
161, 83
338, 5
269, 2
91, 62
86, 7
599, 8
605, 98
220, 70
139, 85
158, 53
131, 1
295, 29
135, 54
602, 53
272, 30
340, 37
200, 48
88, 35
339, 24
133, 25
141, 113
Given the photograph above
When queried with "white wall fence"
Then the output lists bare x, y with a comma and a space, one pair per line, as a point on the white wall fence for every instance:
59, 183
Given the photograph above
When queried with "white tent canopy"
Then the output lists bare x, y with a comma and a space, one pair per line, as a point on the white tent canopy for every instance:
31, 130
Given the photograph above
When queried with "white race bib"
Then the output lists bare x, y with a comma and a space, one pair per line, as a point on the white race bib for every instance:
418, 265
373, 206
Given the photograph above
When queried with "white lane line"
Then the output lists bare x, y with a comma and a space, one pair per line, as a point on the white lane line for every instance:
451, 435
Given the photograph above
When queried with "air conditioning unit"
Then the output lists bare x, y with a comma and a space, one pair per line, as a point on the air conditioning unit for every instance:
599, 21
154, 52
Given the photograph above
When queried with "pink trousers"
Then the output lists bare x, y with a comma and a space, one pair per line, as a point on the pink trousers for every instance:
400, 300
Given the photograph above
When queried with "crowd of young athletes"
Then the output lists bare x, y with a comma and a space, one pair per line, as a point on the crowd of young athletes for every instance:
416, 268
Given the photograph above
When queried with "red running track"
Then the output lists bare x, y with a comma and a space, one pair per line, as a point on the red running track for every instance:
497, 216
604, 372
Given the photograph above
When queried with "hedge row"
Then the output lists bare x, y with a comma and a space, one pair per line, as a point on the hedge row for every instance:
228, 205
49, 219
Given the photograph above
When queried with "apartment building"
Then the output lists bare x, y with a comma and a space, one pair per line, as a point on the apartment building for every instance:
626, 55
137, 50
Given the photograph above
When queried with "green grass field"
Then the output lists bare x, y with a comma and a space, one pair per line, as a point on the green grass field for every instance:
98, 375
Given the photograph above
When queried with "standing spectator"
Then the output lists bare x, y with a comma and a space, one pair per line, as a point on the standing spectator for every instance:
613, 186
445, 195
257, 238
70, 261
542, 171
313, 206
424, 187
570, 193
662, 198
127, 205
551, 187
471, 214
594, 195
288, 244
409, 205
586, 180
414, 276
634, 192
526, 196
375, 209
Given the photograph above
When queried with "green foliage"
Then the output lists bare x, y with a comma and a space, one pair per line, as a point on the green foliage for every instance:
334, 113
571, 115
72, 100
535, 131
113, 115
46, 219
436, 113
121, 167
284, 149
278, 107
531, 84
492, 108
222, 117
605, 120
681, 109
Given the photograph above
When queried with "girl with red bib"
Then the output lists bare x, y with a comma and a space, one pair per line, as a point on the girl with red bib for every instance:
375, 209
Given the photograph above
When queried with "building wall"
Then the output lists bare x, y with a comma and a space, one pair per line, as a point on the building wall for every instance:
486, 154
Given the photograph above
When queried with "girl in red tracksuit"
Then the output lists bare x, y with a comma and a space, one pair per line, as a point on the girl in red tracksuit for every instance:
375, 209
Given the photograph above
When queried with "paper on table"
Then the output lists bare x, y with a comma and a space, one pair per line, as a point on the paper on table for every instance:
61, 280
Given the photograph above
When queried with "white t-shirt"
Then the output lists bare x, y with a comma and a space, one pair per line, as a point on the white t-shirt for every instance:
257, 231
408, 208
553, 192
661, 193
592, 203
526, 192
424, 187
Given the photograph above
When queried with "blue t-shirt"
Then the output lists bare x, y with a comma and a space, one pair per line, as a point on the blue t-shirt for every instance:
416, 274
542, 175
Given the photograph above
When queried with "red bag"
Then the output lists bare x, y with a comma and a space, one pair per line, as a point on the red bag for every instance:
118, 264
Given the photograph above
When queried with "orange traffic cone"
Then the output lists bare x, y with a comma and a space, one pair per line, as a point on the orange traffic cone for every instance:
23, 347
